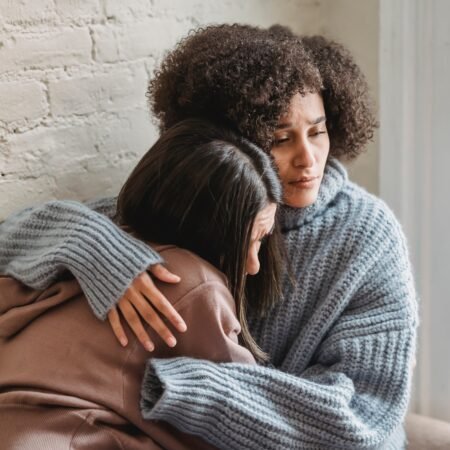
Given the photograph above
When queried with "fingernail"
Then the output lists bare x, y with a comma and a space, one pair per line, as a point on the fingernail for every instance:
182, 326
124, 342
149, 346
171, 342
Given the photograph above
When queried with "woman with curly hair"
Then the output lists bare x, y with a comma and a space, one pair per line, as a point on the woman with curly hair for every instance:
342, 340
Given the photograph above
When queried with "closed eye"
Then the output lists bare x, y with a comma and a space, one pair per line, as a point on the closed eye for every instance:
318, 133
280, 141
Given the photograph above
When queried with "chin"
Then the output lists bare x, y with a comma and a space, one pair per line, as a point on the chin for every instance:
301, 201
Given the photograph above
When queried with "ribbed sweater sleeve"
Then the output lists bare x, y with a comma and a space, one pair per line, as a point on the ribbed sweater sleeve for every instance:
39, 243
353, 392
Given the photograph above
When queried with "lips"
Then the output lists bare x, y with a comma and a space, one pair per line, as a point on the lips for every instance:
304, 180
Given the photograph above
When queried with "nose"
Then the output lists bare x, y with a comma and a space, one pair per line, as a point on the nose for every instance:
304, 155
253, 260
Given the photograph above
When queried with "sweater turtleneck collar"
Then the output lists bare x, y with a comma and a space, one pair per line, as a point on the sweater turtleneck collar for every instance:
334, 179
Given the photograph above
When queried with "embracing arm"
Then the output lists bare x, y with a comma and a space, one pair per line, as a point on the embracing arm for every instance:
39, 243
354, 394
212, 333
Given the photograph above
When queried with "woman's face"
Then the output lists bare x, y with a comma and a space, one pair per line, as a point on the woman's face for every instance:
262, 226
300, 150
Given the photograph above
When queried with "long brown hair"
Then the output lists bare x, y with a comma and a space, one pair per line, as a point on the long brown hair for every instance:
200, 187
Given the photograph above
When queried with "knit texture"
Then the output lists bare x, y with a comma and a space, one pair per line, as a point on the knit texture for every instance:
341, 342
39, 244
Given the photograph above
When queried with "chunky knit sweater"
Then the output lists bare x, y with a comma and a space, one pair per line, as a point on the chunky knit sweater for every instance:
341, 341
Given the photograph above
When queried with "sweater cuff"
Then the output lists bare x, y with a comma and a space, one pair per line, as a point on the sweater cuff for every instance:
106, 268
104, 259
197, 397
167, 390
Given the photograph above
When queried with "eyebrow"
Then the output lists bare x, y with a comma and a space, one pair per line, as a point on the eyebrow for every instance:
314, 122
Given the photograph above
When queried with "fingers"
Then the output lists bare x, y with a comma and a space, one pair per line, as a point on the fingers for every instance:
143, 300
114, 320
144, 284
152, 318
133, 320
160, 272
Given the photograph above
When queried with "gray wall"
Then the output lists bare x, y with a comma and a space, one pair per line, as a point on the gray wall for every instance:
355, 24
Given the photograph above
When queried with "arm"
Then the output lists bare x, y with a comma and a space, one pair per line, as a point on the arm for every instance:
38, 244
212, 326
104, 205
353, 394
212, 334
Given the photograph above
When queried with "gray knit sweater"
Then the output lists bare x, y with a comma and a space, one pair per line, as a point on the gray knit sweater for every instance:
341, 343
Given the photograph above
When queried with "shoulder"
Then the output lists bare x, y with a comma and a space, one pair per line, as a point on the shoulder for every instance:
368, 216
379, 250
357, 228
379, 241
385, 247
195, 273
364, 205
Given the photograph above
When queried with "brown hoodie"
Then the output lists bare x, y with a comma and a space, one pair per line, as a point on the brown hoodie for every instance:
65, 381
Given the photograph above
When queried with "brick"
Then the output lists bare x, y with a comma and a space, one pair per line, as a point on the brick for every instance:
22, 100
141, 39
4, 158
23, 192
129, 10
78, 9
65, 149
13, 167
114, 91
132, 132
150, 37
26, 11
105, 43
84, 160
55, 11
102, 179
121, 143
46, 150
174, 6
46, 50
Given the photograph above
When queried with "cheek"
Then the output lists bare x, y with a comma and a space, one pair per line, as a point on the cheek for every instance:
281, 161
324, 156
321, 153
326, 149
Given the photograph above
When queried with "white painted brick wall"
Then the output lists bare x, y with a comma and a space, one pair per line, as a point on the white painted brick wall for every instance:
45, 49
112, 91
73, 75
22, 101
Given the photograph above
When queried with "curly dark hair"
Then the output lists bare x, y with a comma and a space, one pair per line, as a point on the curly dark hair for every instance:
348, 107
244, 77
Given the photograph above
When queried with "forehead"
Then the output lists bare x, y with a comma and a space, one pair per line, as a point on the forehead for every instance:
302, 108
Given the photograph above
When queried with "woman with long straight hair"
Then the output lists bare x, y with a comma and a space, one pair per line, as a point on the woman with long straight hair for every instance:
205, 199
